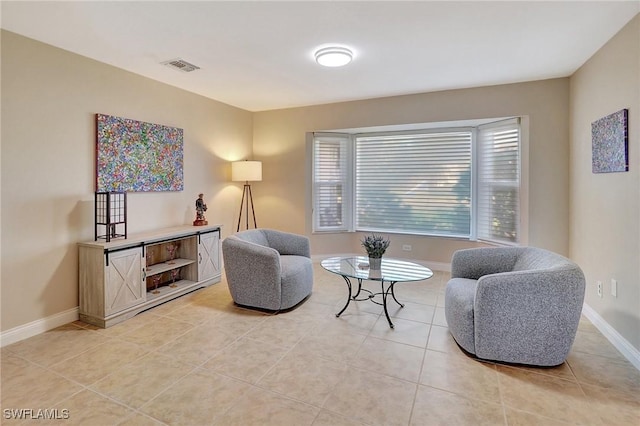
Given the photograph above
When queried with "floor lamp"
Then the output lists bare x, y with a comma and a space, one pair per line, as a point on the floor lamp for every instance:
246, 171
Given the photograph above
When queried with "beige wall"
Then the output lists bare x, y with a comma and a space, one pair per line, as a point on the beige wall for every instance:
605, 208
282, 198
49, 98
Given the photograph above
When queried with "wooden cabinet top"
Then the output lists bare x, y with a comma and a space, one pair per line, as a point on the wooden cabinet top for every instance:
151, 237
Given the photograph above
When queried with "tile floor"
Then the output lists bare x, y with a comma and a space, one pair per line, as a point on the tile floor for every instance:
200, 360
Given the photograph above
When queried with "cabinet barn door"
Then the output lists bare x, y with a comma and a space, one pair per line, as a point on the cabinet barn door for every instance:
124, 285
208, 256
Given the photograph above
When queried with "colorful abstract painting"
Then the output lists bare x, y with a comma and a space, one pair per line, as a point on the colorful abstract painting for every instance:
134, 156
610, 143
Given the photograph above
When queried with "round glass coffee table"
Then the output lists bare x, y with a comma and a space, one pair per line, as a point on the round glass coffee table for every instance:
392, 271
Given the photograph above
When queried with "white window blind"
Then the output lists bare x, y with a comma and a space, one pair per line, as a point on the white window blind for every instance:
499, 181
416, 183
331, 195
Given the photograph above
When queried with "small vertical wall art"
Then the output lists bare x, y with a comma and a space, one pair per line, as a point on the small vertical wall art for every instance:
610, 143
135, 156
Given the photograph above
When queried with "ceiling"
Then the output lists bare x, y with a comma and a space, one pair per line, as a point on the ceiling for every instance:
259, 55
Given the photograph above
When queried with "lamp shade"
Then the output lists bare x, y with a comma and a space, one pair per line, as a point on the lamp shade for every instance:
246, 171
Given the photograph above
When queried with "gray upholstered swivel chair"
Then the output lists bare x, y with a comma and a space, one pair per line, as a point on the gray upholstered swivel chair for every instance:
268, 269
514, 304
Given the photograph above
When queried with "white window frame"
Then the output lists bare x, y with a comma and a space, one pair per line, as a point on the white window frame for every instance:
438, 139
506, 183
347, 187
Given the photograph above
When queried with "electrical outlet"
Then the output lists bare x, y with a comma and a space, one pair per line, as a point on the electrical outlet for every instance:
406, 247
599, 283
614, 288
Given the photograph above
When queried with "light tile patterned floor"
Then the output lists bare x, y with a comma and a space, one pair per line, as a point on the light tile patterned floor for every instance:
200, 360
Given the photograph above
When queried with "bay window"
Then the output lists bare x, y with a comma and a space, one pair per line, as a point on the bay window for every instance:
456, 182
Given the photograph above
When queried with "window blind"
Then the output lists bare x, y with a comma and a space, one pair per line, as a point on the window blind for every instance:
499, 181
331, 182
417, 183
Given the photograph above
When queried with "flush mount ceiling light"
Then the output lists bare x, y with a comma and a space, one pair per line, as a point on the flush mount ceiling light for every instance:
333, 56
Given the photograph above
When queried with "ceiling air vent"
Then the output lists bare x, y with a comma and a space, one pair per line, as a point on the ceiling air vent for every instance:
180, 65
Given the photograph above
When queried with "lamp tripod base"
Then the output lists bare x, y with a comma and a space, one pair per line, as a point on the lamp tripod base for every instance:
247, 198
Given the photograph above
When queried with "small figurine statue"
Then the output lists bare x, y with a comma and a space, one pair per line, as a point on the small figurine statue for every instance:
201, 207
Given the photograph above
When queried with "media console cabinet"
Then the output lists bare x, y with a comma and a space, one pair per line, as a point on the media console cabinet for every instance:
124, 277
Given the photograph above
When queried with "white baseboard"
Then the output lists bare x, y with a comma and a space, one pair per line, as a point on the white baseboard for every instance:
25, 331
616, 339
434, 266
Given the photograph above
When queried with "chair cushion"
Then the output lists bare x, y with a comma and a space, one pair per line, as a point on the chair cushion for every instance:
459, 300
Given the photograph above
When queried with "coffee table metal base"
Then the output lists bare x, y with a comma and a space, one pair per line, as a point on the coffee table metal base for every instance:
384, 293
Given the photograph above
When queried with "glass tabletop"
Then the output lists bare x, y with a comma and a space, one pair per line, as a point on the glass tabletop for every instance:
391, 270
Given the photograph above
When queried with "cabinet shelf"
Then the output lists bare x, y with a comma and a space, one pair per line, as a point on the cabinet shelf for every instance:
159, 268
165, 290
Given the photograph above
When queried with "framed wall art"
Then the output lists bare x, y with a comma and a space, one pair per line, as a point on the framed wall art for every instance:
135, 156
610, 143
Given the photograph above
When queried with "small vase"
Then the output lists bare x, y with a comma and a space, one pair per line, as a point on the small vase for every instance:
375, 262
